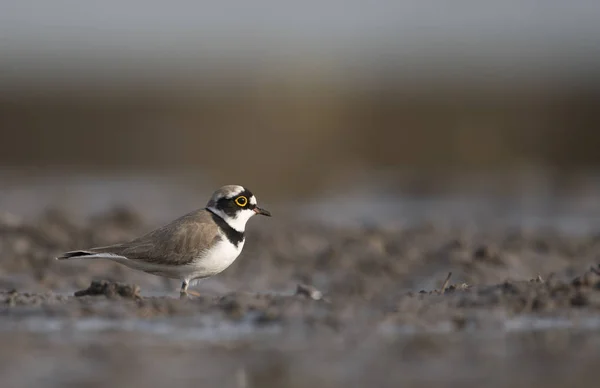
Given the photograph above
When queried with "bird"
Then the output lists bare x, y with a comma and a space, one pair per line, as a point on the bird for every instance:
195, 246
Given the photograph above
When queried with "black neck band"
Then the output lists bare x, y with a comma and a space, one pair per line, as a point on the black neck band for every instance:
234, 236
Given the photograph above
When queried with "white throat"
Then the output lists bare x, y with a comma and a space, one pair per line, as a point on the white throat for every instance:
238, 222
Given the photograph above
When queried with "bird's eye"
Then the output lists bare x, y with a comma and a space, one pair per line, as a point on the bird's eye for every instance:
241, 201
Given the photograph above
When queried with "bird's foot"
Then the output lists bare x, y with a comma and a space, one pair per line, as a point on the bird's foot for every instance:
188, 293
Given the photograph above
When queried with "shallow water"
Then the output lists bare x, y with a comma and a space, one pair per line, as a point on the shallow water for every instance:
213, 329
369, 201
206, 329
151, 356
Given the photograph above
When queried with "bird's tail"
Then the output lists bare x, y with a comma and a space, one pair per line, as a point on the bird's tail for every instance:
76, 255
94, 253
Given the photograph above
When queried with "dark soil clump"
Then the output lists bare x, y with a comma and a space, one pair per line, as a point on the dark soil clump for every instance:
111, 290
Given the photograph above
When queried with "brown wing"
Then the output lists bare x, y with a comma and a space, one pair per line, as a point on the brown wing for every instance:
179, 242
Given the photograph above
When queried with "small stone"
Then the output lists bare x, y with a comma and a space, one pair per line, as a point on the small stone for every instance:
309, 291
487, 253
267, 316
481, 253
579, 300
460, 322
232, 308
539, 304
590, 278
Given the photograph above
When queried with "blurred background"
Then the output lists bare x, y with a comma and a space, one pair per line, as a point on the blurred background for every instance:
127, 101
452, 117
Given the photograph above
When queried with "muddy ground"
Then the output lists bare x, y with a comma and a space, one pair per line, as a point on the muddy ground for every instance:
306, 304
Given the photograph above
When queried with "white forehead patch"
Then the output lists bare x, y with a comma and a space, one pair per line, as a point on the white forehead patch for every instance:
229, 191
253, 200
234, 191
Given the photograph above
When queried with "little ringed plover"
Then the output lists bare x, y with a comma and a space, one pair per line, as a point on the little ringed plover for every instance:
197, 245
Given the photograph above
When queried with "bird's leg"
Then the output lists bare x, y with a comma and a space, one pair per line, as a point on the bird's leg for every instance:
184, 293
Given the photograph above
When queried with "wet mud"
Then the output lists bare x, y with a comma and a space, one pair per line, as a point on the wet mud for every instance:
305, 304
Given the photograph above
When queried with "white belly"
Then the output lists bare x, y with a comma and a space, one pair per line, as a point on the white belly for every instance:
221, 256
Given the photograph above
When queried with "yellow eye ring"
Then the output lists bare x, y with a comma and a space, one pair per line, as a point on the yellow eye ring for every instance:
241, 201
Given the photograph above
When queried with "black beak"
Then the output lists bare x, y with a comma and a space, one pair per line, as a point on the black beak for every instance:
262, 212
